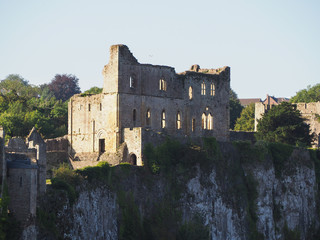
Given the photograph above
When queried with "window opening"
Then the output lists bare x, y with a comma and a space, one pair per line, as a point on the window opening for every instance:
203, 88
132, 82
133, 159
212, 89
210, 122
163, 119
102, 148
89, 107
162, 85
178, 120
100, 106
190, 93
193, 125
204, 121
148, 117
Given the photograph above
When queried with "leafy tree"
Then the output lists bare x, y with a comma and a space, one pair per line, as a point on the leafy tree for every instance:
93, 90
15, 83
311, 94
246, 121
23, 106
235, 108
64, 86
284, 123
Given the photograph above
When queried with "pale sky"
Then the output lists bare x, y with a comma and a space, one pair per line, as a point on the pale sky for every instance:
272, 46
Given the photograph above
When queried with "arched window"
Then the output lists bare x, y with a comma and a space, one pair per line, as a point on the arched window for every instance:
163, 119
210, 122
203, 88
134, 115
133, 159
204, 121
190, 93
148, 117
162, 85
212, 89
178, 124
132, 82
193, 125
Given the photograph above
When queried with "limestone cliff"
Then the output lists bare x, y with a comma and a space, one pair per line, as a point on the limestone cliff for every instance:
239, 192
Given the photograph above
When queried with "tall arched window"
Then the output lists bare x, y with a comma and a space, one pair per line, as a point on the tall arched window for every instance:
212, 89
162, 85
210, 122
163, 119
178, 124
190, 93
203, 88
204, 121
148, 117
132, 83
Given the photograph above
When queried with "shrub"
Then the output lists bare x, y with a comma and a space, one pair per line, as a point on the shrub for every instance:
280, 153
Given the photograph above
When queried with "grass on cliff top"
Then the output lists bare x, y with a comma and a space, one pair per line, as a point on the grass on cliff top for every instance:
172, 155
252, 153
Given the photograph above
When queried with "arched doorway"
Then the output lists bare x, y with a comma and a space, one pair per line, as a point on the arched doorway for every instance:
133, 159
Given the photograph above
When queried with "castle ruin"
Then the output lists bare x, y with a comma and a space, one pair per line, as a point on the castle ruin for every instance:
142, 102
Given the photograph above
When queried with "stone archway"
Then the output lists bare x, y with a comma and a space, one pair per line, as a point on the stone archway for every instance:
133, 159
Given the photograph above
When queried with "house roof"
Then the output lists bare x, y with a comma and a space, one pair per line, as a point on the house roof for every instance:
247, 101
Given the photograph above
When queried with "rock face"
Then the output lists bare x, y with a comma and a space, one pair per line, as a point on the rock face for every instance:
284, 201
94, 214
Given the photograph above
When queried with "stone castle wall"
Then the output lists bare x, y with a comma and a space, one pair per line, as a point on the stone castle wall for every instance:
22, 189
194, 103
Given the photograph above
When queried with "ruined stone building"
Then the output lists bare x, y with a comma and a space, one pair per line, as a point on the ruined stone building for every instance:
23, 170
141, 102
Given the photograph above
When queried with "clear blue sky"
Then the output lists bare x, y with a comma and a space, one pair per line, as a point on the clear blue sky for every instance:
272, 46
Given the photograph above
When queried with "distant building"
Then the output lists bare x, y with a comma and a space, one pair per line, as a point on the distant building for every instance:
247, 101
263, 106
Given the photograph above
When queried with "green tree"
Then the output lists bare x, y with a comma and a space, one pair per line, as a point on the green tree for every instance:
284, 123
235, 108
311, 94
246, 120
23, 106
15, 83
93, 90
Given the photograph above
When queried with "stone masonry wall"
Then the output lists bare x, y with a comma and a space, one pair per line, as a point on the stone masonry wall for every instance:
147, 96
22, 187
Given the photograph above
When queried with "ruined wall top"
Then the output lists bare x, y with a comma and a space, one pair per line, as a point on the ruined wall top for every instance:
122, 53
17, 144
35, 137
